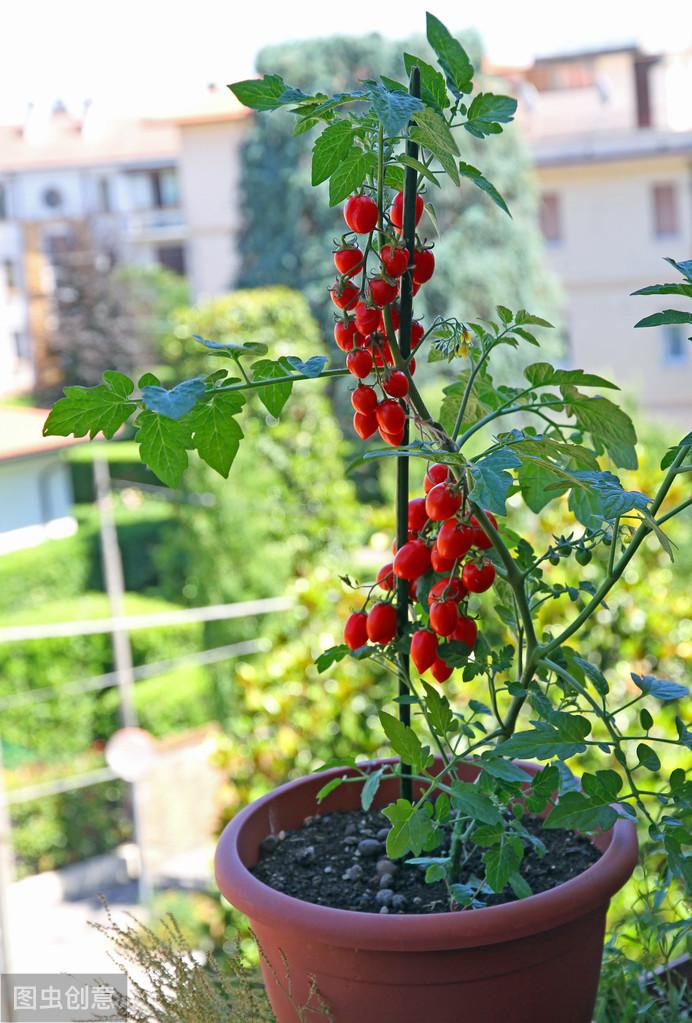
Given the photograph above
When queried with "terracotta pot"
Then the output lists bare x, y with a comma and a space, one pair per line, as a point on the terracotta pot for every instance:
532, 961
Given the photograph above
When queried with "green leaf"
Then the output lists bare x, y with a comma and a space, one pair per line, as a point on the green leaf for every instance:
228, 348
545, 741
275, 396
349, 175
163, 445
404, 740
483, 399
438, 708
488, 112
432, 132
603, 785
576, 811
330, 656
606, 423
594, 675
420, 168
539, 484
666, 289
330, 148
394, 177
491, 480
662, 689
118, 383
546, 782
311, 368
394, 109
329, 787
432, 84
520, 886
648, 757
410, 829
645, 719
542, 374
473, 174
502, 861
664, 317
267, 93
369, 790
177, 402
451, 56
471, 802
684, 266
90, 410
609, 499
505, 770
216, 434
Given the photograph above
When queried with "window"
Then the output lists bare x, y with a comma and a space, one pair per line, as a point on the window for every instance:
675, 345
22, 348
550, 76
10, 274
665, 209
3, 203
550, 217
155, 189
172, 257
104, 195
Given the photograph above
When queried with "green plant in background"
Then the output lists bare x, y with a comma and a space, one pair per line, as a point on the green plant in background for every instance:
542, 699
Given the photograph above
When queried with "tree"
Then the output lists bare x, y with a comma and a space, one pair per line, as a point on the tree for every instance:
289, 225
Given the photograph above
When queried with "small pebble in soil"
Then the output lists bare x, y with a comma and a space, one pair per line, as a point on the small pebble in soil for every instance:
382, 834
353, 873
269, 844
306, 854
385, 867
369, 847
386, 880
384, 897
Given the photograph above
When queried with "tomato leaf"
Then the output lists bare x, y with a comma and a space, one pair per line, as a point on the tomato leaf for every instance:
177, 402
661, 688
432, 83
350, 174
273, 396
330, 148
492, 481
451, 56
394, 109
217, 435
488, 112
267, 93
163, 445
473, 174
91, 410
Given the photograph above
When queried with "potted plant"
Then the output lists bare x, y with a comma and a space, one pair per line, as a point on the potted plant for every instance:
468, 876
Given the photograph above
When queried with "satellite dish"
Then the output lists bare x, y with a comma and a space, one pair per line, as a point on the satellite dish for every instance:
131, 753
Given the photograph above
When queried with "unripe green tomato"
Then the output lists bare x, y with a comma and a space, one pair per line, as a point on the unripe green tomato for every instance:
554, 558
583, 556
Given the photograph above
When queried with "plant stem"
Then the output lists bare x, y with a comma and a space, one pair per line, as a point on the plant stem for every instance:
674, 511
270, 381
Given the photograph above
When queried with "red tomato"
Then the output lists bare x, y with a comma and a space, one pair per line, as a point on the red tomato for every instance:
478, 578
360, 213
439, 563
364, 399
395, 315
423, 649
393, 439
417, 515
381, 623
441, 670
396, 384
444, 616
394, 259
453, 540
396, 210
359, 362
423, 265
348, 261
382, 292
409, 537
436, 473
390, 416
447, 589
412, 366
344, 334
412, 560
367, 318
480, 537
465, 632
442, 502
355, 631
417, 332
344, 294
364, 425
385, 577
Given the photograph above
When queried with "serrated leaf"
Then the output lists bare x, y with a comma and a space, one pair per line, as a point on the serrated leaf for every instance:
404, 740
267, 93
274, 396
177, 402
217, 435
666, 316
330, 148
607, 424
581, 813
89, 410
119, 383
163, 445
410, 829
312, 367
544, 741
609, 499
473, 174
432, 83
394, 109
542, 374
349, 175
332, 784
229, 348
503, 769
488, 112
471, 802
666, 289
330, 656
394, 177
420, 168
662, 689
438, 709
684, 266
594, 675
502, 861
451, 56
369, 790
432, 132
492, 480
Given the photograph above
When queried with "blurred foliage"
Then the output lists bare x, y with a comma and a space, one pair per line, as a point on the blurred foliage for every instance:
289, 227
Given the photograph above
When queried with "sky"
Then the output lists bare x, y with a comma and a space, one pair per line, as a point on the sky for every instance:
143, 55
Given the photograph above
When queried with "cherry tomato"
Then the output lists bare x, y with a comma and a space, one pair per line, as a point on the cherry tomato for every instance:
367, 318
360, 213
423, 265
442, 501
583, 555
344, 334
381, 623
423, 649
412, 366
447, 589
396, 210
439, 563
395, 315
394, 259
393, 439
364, 424
348, 261
480, 537
441, 670
465, 632
382, 292
417, 332
385, 577
444, 617
409, 537
478, 578
396, 384
359, 362
355, 630
412, 560
364, 399
417, 515
453, 540
390, 416
380, 349
344, 294
436, 473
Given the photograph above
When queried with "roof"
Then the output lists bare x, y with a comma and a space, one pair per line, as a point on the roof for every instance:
216, 105
21, 433
608, 147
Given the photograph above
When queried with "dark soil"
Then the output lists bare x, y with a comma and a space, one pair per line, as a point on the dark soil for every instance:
339, 860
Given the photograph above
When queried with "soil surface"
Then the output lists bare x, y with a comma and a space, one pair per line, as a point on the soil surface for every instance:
339, 860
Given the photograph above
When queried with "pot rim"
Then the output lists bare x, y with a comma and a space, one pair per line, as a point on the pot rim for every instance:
585, 893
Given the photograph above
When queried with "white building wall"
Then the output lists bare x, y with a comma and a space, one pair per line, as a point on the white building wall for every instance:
35, 501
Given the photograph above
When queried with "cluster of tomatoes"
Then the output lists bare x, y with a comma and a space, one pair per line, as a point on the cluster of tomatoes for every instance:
445, 543
360, 329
